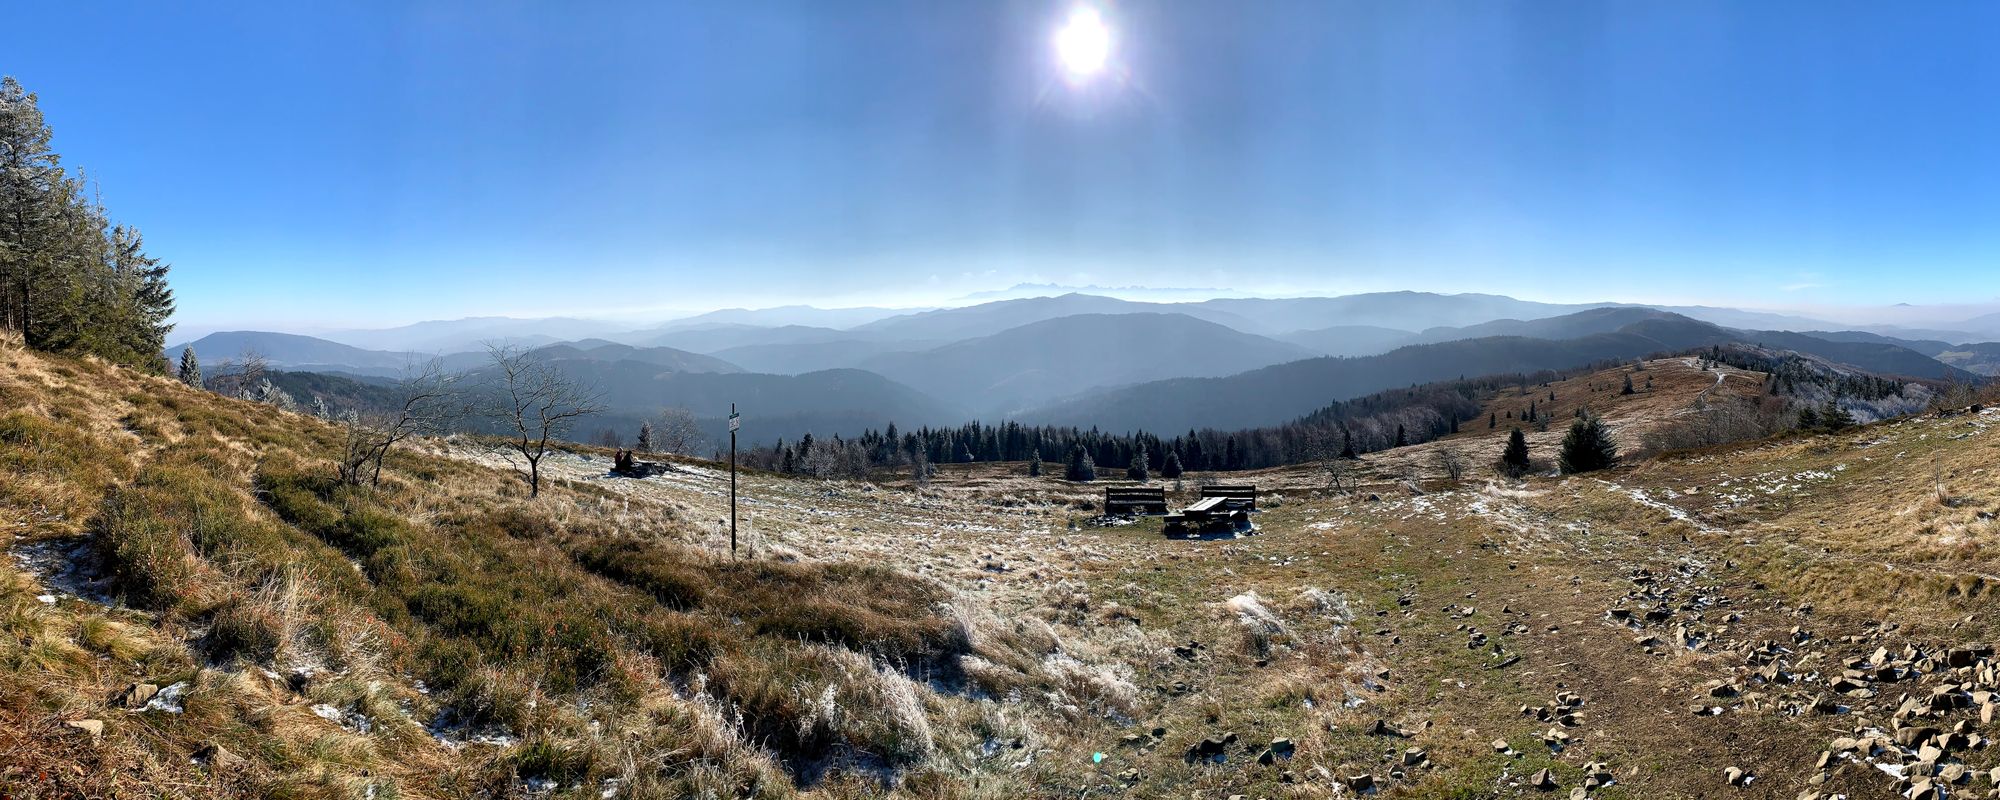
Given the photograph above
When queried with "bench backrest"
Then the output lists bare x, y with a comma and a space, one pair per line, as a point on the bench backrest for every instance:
1235, 495
1118, 500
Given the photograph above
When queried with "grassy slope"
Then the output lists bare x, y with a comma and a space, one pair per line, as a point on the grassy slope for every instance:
1038, 644
613, 652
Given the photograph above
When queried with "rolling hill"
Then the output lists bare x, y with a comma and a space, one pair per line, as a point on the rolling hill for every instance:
827, 402
295, 352
1277, 393
471, 333
1349, 340
1027, 365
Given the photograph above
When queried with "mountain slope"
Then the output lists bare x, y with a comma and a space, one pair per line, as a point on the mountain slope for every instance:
826, 402
664, 357
1004, 372
711, 338
1404, 310
1278, 393
986, 319
471, 333
1349, 340
1567, 326
794, 358
294, 352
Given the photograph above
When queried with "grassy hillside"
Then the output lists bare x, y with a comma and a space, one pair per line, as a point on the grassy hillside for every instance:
192, 609
331, 641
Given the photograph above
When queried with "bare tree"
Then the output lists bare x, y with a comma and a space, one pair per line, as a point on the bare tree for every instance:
1451, 461
677, 432
534, 402
427, 401
243, 375
1329, 448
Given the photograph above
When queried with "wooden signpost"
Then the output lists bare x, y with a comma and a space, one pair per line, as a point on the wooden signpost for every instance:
735, 421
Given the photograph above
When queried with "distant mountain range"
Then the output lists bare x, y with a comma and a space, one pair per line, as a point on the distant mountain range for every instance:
1008, 372
1085, 360
1275, 394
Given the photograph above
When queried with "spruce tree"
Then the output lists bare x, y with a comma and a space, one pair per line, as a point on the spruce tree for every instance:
1172, 469
1035, 465
1401, 438
1588, 446
1514, 460
645, 444
1139, 470
1628, 386
190, 372
1081, 468
69, 278
1347, 444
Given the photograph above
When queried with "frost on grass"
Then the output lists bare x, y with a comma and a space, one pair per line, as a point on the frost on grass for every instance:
1261, 627
1081, 688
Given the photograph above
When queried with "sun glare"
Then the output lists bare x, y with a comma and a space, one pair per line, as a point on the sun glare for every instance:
1083, 44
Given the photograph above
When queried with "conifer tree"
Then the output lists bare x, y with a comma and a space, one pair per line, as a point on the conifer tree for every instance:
1834, 418
1514, 460
1081, 468
1139, 470
1347, 444
1172, 469
645, 444
1035, 465
1401, 438
1588, 446
1628, 385
190, 371
69, 278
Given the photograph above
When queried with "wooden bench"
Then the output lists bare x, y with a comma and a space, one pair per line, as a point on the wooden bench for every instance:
1238, 497
1126, 501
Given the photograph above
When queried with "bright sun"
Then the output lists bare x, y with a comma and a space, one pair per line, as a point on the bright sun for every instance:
1084, 44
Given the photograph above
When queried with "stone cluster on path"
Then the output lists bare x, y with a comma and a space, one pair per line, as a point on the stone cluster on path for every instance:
1917, 710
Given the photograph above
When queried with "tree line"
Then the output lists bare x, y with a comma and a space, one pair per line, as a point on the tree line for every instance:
1350, 428
71, 279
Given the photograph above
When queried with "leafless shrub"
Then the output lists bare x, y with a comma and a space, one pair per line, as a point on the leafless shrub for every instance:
1719, 422
428, 401
1451, 461
675, 431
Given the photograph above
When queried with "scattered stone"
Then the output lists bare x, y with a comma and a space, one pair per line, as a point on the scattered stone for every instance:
1735, 776
217, 757
93, 727
135, 696
1543, 780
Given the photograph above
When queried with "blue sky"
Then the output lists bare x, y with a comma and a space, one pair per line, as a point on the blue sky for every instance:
360, 163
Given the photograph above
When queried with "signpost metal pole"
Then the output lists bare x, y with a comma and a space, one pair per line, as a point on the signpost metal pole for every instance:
734, 421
